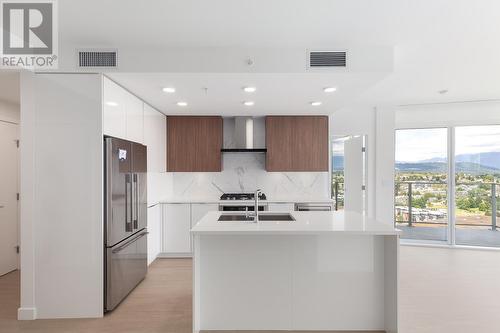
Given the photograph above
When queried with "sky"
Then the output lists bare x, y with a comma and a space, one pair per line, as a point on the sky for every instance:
424, 144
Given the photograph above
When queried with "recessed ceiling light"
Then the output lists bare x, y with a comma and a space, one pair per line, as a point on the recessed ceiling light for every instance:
110, 103
248, 103
169, 90
182, 103
249, 89
315, 103
329, 89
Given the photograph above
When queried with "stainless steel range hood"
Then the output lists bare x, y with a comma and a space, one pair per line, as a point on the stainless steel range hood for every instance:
244, 135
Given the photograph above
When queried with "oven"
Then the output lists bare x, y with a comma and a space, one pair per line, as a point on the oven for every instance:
313, 207
241, 207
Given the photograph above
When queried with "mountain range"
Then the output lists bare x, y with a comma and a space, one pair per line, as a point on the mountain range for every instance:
480, 163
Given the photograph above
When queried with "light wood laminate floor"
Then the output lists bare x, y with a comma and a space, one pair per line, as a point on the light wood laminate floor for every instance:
161, 303
441, 291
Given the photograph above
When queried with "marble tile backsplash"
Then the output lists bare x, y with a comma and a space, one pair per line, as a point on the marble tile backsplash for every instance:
245, 172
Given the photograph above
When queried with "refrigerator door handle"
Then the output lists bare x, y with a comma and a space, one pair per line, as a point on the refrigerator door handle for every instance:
136, 202
136, 220
121, 247
128, 203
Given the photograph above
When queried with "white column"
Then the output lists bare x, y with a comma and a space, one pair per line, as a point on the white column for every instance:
27, 310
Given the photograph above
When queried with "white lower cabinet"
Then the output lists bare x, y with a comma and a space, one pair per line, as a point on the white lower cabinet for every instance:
281, 207
198, 210
176, 229
154, 229
178, 219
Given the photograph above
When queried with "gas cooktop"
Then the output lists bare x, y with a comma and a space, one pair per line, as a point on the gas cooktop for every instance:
241, 196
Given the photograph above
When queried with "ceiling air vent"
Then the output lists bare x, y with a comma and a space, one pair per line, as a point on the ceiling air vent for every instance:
327, 59
97, 58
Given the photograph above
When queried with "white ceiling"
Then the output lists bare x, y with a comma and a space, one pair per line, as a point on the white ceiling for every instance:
439, 45
276, 93
265, 23
9, 87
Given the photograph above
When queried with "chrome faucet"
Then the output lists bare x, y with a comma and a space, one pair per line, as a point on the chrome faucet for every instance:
256, 198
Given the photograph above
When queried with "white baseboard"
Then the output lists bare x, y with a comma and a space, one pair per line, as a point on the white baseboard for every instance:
26, 314
175, 255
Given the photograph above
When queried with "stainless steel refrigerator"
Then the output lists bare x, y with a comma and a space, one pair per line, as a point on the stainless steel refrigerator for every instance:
125, 219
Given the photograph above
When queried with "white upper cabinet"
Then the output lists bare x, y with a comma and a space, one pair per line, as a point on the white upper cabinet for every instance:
134, 108
114, 112
155, 138
123, 115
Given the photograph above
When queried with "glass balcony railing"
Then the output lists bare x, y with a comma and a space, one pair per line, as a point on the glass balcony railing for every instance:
426, 203
338, 194
421, 211
421, 203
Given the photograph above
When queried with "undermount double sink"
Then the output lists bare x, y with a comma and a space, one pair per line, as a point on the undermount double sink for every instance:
262, 217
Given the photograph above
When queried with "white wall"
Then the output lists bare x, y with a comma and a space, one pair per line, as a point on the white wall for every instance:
61, 196
451, 114
27, 308
378, 125
230, 59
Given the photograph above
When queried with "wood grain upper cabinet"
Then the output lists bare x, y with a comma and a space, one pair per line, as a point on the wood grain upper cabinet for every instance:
297, 143
194, 144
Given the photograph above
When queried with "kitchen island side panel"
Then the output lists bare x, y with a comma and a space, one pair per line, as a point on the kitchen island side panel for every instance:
292, 282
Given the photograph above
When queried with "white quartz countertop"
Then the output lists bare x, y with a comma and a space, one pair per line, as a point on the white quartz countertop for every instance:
305, 223
218, 201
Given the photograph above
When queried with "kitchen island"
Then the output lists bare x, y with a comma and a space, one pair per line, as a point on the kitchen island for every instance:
321, 271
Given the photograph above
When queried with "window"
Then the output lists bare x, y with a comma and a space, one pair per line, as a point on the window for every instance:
421, 204
428, 176
477, 180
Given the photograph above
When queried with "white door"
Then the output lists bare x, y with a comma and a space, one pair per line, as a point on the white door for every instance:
8, 197
353, 174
